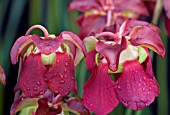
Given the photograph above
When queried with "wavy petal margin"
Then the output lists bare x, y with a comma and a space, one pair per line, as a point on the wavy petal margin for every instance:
99, 96
135, 89
147, 37
19, 46
2, 76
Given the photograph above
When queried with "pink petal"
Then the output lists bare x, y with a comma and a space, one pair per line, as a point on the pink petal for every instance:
167, 25
90, 60
74, 39
111, 52
18, 47
75, 103
60, 77
84, 5
47, 46
2, 76
91, 24
31, 79
166, 4
134, 87
44, 109
98, 96
147, 37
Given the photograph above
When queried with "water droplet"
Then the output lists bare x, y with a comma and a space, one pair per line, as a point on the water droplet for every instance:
62, 81
61, 76
24, 83
66, 64
150, 88
38, 83
57, 60
139, 84
22, 99
65, 76
72, 78
143, 89
148, 92
56, 91
28, 88
46, 80
35, 89
90, 104
42, 92
118, 86
144, 78
65, 71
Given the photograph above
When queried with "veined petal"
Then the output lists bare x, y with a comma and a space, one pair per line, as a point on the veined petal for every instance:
2, 76
90, 60
99, 96
111, 52
147, 37
134, 87
60, 77
31, 79
47, 46
74, 39
22, 102
84, 5
19, 46
44, 109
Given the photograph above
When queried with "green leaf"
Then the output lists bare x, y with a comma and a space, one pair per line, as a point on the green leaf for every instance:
142, 54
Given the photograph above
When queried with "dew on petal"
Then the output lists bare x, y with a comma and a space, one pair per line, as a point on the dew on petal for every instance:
35, 89
28, 89
38, 83
62, 81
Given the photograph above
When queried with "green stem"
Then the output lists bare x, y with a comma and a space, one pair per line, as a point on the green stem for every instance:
128, 111
139, 112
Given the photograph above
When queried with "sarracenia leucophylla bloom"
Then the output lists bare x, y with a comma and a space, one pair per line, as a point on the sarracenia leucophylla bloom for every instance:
98, 14
125, 55
46, 63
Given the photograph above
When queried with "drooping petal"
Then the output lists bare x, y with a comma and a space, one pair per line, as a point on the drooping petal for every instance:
74, 39
84, 5
75, 103
47, 46
22, 102
44, 109
19, 46
90, 60
31, 79
129, 24
111, 52
2, 76
167, 25
60, 77
166, 4
147, 37
134, 87
91, 24
99, 96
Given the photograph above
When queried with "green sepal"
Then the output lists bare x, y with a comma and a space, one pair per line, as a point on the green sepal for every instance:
90, 43
119, 70
96, 58
28, 110
48, 59
142, 54
30, 50
66, 48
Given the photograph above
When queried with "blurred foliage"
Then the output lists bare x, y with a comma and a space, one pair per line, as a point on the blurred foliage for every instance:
16, 16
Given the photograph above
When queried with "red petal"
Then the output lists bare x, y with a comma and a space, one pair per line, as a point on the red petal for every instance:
47, 46
90, 60
129, 24
147, 37
75, 103
2, 76
167, 25
74, 39
98, 96
60, 76
167, 7
92, 24
111, 52
18, 47
134, 87
84, 5
44, 109
31, 79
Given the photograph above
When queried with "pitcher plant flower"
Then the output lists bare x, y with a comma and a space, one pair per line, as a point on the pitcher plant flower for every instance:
125, 55
98, 14
2, 76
